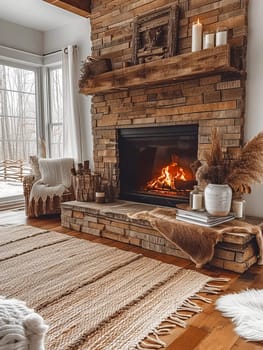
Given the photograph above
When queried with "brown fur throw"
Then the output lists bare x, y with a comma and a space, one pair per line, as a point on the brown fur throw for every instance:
197, 242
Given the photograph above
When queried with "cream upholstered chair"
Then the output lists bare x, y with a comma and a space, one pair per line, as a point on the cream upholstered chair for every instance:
48, 186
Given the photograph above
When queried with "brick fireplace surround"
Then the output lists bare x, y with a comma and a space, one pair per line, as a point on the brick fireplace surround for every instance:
211, 99
208, 96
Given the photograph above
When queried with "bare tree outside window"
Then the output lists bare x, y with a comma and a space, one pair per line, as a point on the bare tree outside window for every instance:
18, 134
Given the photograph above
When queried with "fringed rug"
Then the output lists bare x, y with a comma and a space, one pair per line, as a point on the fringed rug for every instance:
96, 297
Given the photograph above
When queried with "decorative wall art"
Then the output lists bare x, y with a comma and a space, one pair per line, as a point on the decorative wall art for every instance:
155, 34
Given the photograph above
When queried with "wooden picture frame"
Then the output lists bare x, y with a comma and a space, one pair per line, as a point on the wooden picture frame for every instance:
155, 34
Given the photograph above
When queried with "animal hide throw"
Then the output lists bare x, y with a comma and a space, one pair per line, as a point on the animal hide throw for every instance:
197, 242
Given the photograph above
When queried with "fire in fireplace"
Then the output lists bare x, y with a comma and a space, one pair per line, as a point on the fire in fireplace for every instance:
154, 163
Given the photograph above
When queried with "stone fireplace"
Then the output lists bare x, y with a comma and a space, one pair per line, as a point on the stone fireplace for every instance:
204, 102
190, 92
203, 89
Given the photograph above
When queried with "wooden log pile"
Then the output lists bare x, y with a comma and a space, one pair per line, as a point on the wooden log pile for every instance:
86, 184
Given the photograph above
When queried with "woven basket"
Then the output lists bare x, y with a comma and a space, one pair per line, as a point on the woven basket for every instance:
98, 65
93, 66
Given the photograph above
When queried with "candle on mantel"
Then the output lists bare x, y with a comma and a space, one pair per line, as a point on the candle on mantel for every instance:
208, 40
197, 36
221, 36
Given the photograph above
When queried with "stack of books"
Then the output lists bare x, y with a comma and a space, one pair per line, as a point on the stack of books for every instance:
201, 217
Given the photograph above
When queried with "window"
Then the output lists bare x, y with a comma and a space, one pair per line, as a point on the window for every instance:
55, 112
18, 112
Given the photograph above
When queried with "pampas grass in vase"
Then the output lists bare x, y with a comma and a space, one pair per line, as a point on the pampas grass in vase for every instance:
239, 173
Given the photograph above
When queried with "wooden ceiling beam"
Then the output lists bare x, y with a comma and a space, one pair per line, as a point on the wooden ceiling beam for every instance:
79, 7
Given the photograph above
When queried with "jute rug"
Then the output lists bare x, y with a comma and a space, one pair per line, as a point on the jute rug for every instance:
96, 297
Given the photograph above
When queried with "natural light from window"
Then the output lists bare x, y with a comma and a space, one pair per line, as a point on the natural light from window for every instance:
18, 127
56, 112
18, 133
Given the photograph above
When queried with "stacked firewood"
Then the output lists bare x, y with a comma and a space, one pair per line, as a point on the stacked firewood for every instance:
88, 185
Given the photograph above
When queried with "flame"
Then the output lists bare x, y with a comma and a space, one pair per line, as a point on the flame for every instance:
168, 177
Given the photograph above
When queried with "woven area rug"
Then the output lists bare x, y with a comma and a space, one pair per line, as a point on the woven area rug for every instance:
96, 297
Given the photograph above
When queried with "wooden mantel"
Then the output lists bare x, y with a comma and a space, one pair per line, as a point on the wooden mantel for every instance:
170, 69
79, 7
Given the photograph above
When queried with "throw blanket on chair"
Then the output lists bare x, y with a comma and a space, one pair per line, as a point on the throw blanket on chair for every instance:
197, 242
20, 327
55, 180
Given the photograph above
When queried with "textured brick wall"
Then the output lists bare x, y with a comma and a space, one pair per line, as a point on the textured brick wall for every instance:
215, 100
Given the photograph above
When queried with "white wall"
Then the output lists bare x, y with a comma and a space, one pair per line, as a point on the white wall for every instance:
254, 103
76, 33
21, 38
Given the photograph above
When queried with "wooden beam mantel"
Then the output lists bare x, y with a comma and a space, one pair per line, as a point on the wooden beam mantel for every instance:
169, 69
79, 7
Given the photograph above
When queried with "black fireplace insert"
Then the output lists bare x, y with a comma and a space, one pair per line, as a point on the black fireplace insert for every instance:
154, 163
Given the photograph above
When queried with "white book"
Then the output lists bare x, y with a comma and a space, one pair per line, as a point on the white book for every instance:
218, 221
202, 216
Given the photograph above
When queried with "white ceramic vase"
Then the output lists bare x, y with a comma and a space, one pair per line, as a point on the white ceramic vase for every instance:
218, 199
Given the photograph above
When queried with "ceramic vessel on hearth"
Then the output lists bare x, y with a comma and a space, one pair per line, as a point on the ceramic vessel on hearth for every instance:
218, 199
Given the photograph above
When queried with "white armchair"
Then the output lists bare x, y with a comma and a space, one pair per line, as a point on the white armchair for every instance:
48, 186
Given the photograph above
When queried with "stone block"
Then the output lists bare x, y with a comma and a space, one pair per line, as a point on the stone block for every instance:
114, 229
75, 227
91, 231
77, 214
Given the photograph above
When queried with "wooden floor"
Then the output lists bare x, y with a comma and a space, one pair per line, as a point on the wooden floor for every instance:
205, 331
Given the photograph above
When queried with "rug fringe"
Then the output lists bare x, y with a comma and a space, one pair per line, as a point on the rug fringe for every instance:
214, 288
182, 316
152, 342
200, 297
220, 279
189, 305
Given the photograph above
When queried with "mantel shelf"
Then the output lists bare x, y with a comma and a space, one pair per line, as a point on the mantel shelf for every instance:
167, 70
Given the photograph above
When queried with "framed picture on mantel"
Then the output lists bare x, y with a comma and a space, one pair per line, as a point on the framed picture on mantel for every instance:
155, 34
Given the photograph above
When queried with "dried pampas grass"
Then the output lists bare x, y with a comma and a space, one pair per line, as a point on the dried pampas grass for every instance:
248, 168
217, 164
239, 173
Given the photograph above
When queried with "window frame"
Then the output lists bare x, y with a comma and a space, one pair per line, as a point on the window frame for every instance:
47, 102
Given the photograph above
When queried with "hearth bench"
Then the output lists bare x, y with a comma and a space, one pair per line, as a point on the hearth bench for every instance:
236, 252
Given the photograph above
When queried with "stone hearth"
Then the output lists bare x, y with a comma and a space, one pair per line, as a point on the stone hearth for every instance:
237, 252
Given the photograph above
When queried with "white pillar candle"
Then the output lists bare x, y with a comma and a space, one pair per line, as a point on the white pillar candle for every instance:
197, 36
209, 40
238, 207
197, 201
221, 37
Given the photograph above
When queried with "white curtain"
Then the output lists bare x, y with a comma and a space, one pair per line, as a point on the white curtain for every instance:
71, 115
